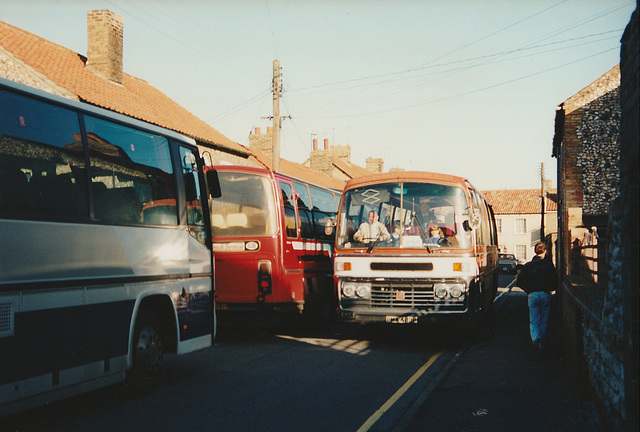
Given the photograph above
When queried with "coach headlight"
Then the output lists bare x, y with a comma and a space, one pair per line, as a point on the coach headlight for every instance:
441, 291
456, 291
363, 290
349, 289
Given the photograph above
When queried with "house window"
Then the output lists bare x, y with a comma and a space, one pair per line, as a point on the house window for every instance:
499, 225
521, 252
521, 226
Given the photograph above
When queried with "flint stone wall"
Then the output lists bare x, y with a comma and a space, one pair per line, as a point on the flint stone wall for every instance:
600, 155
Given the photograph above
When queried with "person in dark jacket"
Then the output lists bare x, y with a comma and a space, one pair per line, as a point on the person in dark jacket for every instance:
538, 279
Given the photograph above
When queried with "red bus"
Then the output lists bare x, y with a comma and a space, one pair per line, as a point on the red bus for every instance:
269, 242
413, 246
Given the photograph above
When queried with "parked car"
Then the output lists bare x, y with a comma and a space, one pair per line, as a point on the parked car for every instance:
507, 263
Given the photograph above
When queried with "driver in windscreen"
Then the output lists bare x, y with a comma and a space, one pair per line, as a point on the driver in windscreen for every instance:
371, 230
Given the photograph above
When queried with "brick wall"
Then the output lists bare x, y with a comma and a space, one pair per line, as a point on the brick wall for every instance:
105, 44
572, 173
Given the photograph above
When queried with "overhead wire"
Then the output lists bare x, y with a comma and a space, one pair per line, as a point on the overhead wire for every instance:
428, 64
466, 93
463, 63
169, 24
273, 35
462, 66
498, 31
581, 23
294, 123
421, 75
363, 82
239, 107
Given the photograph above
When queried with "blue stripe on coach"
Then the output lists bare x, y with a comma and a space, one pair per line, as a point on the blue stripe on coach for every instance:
51, 340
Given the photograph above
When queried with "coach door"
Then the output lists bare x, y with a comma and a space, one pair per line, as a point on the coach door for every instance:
196, 289
292, 245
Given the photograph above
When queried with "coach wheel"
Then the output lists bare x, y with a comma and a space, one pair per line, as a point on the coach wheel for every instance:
148, 353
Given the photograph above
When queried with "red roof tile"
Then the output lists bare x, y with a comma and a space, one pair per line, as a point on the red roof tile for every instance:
301, 172
135, 97
520, 201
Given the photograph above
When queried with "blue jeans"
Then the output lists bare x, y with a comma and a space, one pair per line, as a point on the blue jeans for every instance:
539, 307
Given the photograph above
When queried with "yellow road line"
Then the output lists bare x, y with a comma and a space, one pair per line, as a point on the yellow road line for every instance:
398, 394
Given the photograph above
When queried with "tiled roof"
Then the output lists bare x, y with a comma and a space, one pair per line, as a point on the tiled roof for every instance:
603, 85
350, 169
520, 201
134, 97
301, 172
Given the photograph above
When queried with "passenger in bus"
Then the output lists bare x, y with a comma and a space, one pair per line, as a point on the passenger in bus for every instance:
395, 235
436, 237
372, 230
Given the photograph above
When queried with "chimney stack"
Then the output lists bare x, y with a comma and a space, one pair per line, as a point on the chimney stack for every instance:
375, 165
262, 141
321, 160
104, 44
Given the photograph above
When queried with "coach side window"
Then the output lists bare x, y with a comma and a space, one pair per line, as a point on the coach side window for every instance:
324, 209
42, 165
289, 209
130, 169
323, 200
304, 210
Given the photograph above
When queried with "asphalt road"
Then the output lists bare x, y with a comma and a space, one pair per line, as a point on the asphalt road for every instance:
341, 378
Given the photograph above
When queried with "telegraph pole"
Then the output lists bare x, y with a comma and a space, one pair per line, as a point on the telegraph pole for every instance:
543, 209
276, 115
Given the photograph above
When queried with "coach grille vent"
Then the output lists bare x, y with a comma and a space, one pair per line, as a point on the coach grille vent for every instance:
402, 295
395, 266
6, 319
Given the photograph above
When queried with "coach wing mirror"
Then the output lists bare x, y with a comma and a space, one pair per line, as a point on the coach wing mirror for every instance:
474, 220
328, 227
213, 182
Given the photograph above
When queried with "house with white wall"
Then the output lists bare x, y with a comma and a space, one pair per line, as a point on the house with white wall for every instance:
522, 220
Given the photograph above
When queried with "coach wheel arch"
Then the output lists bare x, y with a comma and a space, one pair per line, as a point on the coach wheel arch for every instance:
154, 335
159, 310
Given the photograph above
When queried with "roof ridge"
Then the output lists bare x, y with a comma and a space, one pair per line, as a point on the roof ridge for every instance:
41, 38
135, 97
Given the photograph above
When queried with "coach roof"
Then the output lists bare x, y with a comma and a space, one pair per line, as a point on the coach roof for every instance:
416, 176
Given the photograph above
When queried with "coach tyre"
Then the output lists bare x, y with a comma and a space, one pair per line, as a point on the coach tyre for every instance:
148, 352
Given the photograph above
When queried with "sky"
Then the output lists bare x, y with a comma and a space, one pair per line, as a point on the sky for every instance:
463, 87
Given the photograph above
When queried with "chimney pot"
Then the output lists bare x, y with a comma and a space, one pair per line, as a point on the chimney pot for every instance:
326, 143
257, 131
